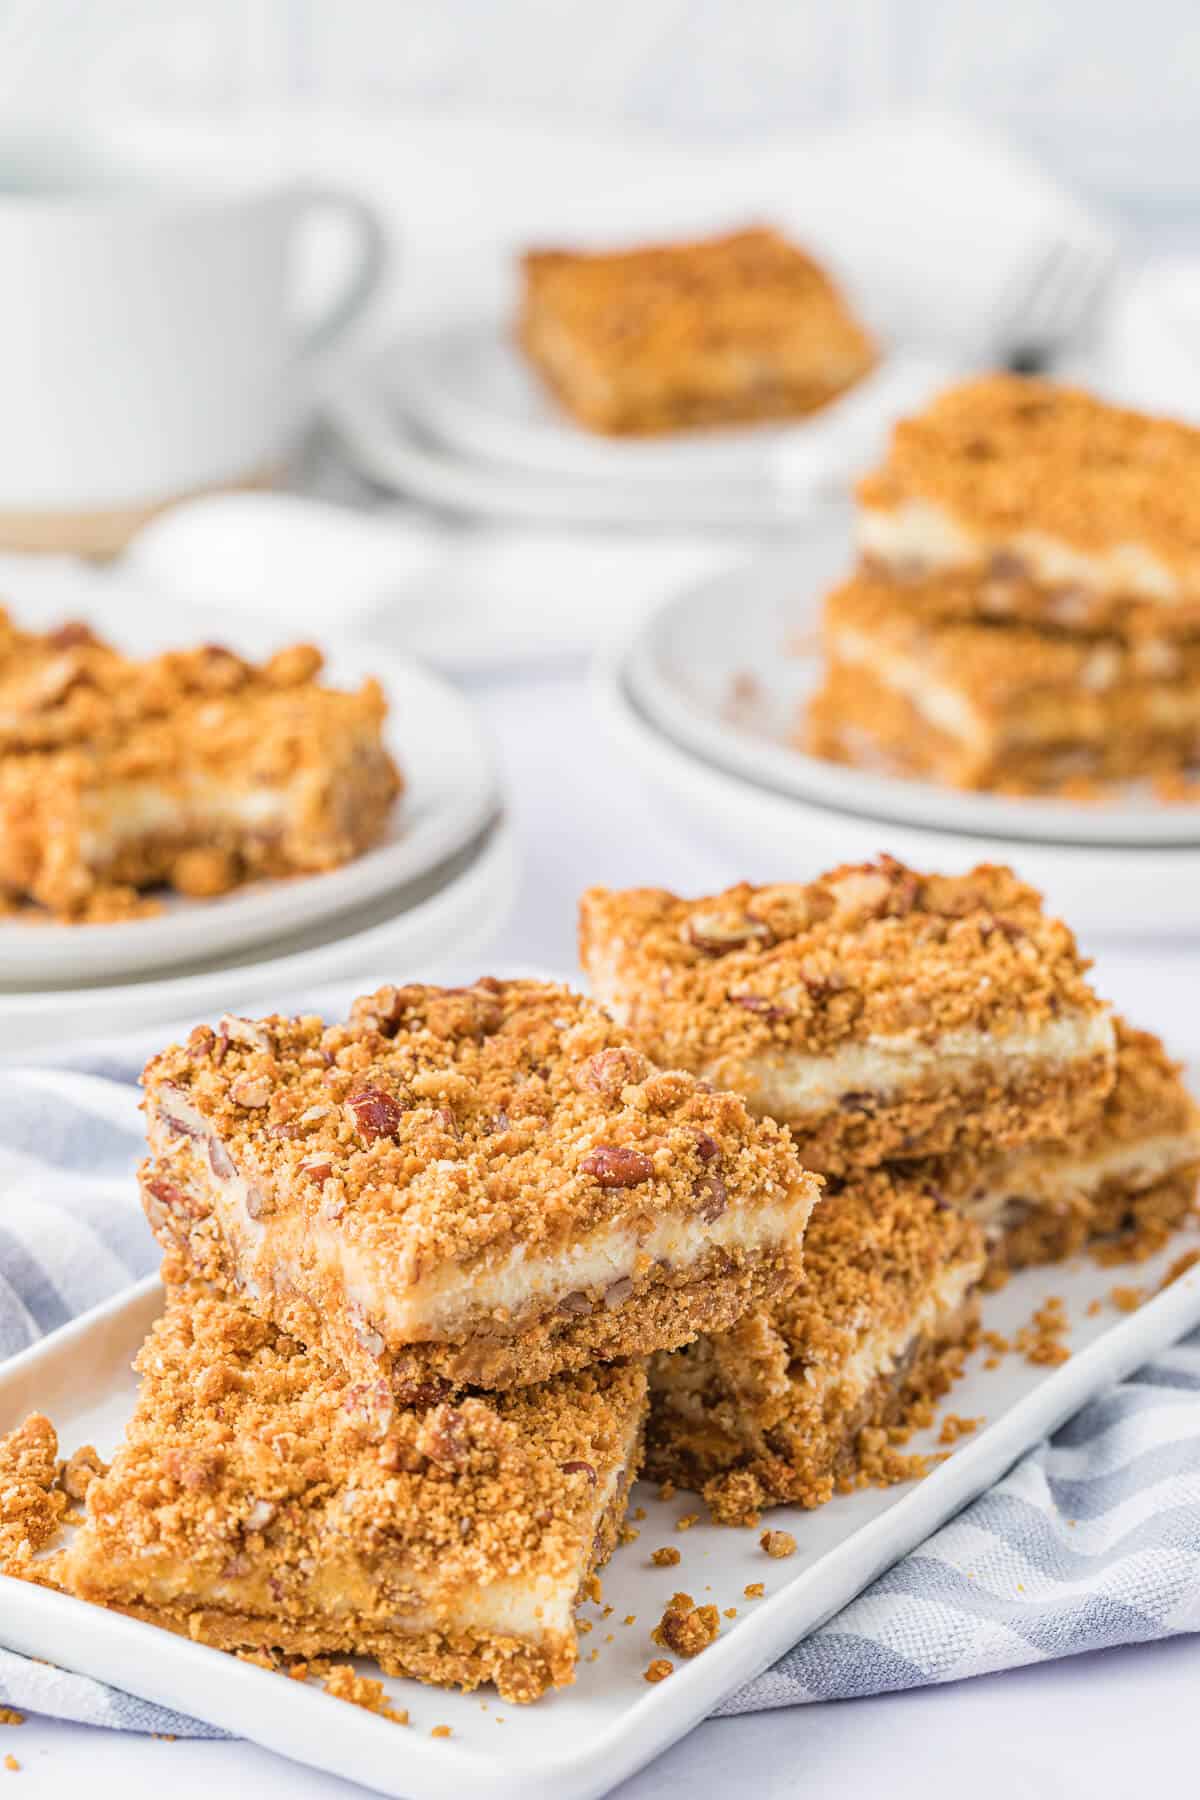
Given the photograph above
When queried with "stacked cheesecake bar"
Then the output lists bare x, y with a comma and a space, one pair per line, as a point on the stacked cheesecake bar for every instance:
1026, 610
194, 769
416, 1262
935, 1049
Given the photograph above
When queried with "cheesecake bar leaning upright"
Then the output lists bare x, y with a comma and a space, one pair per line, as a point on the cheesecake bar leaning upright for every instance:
1132, 1173
916, 685
1063, 511
258, 1501
734, 328
878, 1012
479, 1186
194, 769
795, 1400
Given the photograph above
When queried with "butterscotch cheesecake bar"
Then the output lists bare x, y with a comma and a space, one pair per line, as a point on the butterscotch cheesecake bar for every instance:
795, 1399
916, 688
194, 769
478, 1186
736, 328
1134, 1170
878, 1012
259, 1501
1064, 510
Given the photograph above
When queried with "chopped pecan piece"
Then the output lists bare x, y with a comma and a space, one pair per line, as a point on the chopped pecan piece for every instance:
617, 1166
376, 1113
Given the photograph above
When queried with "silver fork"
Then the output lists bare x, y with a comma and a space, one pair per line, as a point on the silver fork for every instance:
1049, 301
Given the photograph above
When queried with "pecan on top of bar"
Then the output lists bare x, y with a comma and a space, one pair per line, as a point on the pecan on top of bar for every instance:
1008, 454
439, 1124
870, 950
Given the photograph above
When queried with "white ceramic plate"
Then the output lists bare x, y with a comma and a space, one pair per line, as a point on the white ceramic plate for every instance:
454, 908
372, 412
689, 656
586, 1740
470, 385
1146, 893
450, 791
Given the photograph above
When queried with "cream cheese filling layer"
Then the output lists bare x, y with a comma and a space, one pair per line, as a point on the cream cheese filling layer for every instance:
454, 1296
1028, 1179
450, 1297
886, 1067
131, 812
946, 708
1165, 706
685, 1380
921, 533
879, 1353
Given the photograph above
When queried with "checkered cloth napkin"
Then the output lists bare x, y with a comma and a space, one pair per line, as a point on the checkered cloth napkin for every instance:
1092, 1540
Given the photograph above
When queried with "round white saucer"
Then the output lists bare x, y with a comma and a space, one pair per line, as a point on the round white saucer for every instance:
470, 384
1145, 892
724, 666
375, 411
455, 909
450, 791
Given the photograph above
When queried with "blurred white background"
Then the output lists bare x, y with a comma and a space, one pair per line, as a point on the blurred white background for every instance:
1103, 93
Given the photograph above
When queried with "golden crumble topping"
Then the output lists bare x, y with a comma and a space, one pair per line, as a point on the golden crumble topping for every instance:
343, 1682
685, 1628
260, 1500
1009, 454
778, 1544
433, 1135
870, 950
1149, 1097
31, 1506
86, 734
739, 326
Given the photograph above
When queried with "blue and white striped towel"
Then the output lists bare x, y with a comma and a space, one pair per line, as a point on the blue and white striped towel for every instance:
1092, 1540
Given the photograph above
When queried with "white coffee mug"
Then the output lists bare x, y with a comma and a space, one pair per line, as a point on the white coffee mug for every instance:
149, 344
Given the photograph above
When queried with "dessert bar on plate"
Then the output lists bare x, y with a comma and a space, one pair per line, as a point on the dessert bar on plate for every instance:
581, 1740
736, 328
878, 1012
477, 1186
259, 1501
795, 1399
193, 768
1067, 512
919, 687
1134, 1169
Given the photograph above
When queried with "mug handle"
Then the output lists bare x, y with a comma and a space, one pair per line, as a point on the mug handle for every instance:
366, 274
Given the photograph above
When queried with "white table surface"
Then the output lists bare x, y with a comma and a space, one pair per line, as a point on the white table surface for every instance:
1108, 1726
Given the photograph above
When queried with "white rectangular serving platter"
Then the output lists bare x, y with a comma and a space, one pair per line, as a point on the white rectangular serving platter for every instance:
582, 1742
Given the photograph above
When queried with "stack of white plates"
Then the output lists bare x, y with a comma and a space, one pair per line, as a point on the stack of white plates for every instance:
455, 418
707, 694
442, 880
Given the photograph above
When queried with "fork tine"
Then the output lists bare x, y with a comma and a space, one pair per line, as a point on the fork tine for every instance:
1050, 298
1011, 310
